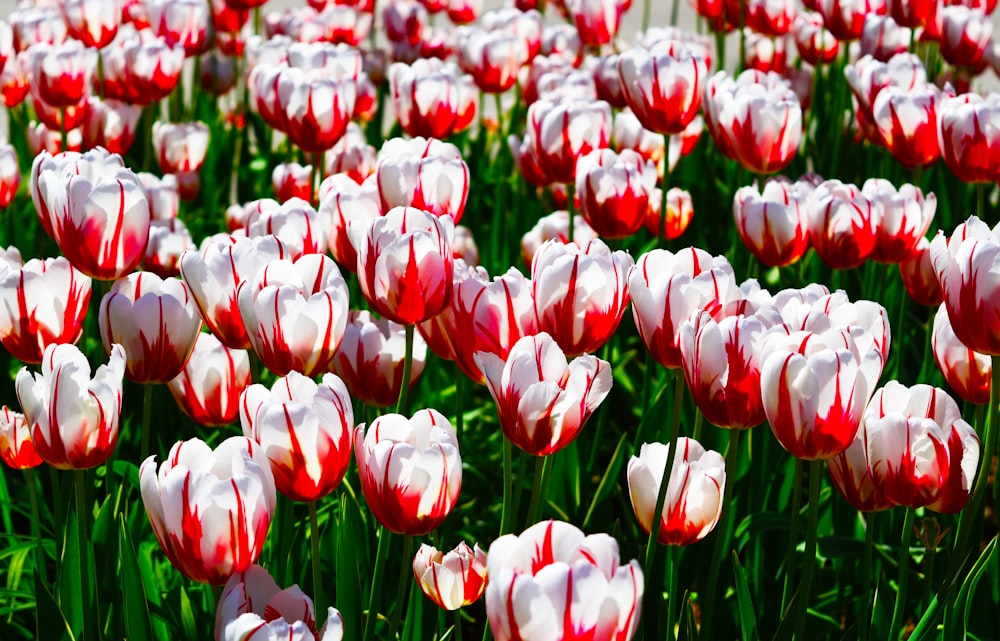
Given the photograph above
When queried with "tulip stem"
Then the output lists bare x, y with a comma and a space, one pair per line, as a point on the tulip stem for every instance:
988, 435
404, 388
63, 133
673, 555
571, 211
459, 403
36, 533
865, 620
457, 634
83, 536
721, 533
316, 178
980, 199
402, 591
318, 600
543, 465
506, 513
656, 518
793, 535
904, 574
381, 557
147, 414
809, 559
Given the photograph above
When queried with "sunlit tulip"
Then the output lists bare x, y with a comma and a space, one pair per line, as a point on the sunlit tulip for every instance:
596, 21
432, 98
292, 180
437, 182
969, 135
351, 156
163, 195
41, 303
721, 363
73, 415
410, 470
13, 83
316, 107
155, 320
95, 208
370, 358
542, 399
614, 190
183, 22
845, 18
141, 69
663, 86
295, 313
967, 265
867, 77
35, 24
180, 147
842, 223
345, 204
580, 293
772, 223
559, 134
552, 582
815, 388
304, 430
883, 38
405, 264
110, 124
451, 580
913, 450
253, 608
694, 495
913, 13
61, 74
907, 124
294, 222
771, 17
493, 59
814, 43
16, 448
210, 510
918, 276
904, 217
965, 35
168, 240
208, 388
555, 226
967, 372
93, 22
667, 289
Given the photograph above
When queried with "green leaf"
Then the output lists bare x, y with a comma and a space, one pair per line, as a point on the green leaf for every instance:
136, 611
49, 620
350, 539
963, 600
748, 619
688, 629
70, 577
188, 623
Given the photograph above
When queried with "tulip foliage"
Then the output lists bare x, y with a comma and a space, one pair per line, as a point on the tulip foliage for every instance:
558, 321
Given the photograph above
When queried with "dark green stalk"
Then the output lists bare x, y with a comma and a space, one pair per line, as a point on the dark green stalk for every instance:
507, 511
403, 585
809, 560
793, 536
85, 543
865, 620
988, 435
318, 599
539, 486
36, 532
721, 549
147, 417
404, 390
904, 575
381, 559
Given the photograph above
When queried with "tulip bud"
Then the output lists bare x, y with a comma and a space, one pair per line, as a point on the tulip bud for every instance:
453, 580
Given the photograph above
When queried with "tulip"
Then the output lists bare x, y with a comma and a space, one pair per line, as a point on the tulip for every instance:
562, 42
907, 124
10, 174
558, 135
966, 266
493, 59
210, 510
214, 276
769, 17
351, 156
13, 83
694, 495
316, 107
721, 362
667, 289
304, 430
905, 215
815, 388
16, 448
32, 25
842, 223
969, 135
772, 223
596, 21
543, 400
73, 416
295, 313
912, 13
965, 35
432, 99
553, 582
913, 450
294, 222
555, 226
168, 240
110, 124
453, 580
43, 303
882, 37
141, 69
663, 86
614, 191
814, 43
61, 74
917, 274
180, 147
163, 195
580, 293
94, 208
967, 371
292, 180
437, 182
93, 22
209, 386
252, 608
680, 211
345, 204
845, 18
405, 264
868, 77
183, 22
370, 359
410, 470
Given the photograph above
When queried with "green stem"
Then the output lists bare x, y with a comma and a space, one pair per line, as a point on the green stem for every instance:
539, 486
571, 210
809, 559
317, 177
403, 585
793, 535
904, 575
457, 634
645, 14
721, 534
673, 555
318, 600
147, 415
507, 512
64, 134
404, 389
381, 557
459, 403
865, 620
652, 595
988, 434
82, 522
930, 555
981, 200
674, 11
36, 532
